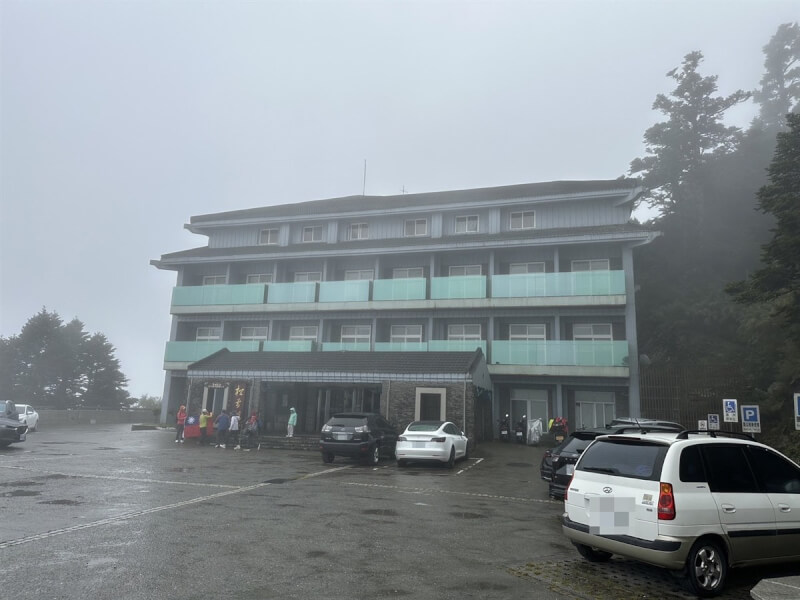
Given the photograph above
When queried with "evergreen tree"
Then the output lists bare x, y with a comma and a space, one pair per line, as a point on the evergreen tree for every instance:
36, 346
779, 93
105, 382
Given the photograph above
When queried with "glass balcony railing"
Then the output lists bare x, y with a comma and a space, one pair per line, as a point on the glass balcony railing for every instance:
341, 346
469, 286
344, 291
290, 293
401, 346
399, 289
577, 283
560, 353
456, 345
289, 345
208, 295
194, 351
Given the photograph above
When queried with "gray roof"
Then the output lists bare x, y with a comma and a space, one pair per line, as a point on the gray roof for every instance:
410, 243
361, 203
346, 366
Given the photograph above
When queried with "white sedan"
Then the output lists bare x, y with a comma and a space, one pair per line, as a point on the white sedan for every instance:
28, 415
439, 441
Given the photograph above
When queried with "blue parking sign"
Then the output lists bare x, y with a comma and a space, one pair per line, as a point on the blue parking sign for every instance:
751, 419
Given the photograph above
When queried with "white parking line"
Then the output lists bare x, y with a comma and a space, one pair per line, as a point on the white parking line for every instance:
325, 472
133, 515
432, 491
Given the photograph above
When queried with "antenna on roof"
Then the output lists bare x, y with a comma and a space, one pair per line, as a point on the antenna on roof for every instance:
364, 185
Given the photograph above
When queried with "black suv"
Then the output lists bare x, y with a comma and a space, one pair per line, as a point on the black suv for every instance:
367, 436
11, 430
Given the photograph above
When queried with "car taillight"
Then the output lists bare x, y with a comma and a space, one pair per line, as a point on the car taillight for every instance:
439, 439
362, 429
402, 438
326, 428
566, 489
666, 503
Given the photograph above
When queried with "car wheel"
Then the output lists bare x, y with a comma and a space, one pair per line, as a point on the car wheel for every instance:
327, 457
451, 462
592, 554
374, 455
402, 463
706, 568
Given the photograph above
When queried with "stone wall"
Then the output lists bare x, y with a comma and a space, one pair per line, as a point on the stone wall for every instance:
59, 418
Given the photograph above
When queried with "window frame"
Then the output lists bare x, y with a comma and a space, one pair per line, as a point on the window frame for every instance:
356, 337
360, 229
467, 220
307, 274
408, 272
591, 264
415, 223
313, 229
269, 234
528, 337
209, 337
206, 279
521, 214
266, 276
349, 272
406, 337
594, 336
465, 268
254, 336
464, 336
303, 336
527, 266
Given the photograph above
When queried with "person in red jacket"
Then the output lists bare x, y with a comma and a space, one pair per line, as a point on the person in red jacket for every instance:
180, 421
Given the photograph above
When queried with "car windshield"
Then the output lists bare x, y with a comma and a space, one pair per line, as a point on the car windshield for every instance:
625, 459
424, 426
576, 444
347, 422
20, 409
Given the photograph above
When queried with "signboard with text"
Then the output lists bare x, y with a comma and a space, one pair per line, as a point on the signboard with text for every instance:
751, 419
713, 422
797, 411
730, 411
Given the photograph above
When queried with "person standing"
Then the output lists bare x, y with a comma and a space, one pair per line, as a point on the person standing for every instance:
203, 421
222, 422
233, 431
292, 422
180, 423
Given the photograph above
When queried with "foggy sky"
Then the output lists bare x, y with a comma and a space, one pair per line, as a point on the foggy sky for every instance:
121, 120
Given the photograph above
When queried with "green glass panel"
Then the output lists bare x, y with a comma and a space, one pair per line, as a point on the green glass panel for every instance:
339, 346
210, 295
288, 346
580, 283
289, 293
456, 345
560, 353
468, 286
399, 289
401, 346
194, 351
344, 291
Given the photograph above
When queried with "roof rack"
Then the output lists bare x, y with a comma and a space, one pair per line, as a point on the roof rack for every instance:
684, 435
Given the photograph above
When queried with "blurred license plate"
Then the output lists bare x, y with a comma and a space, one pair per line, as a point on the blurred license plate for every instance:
570, 469
417, 444
341, 436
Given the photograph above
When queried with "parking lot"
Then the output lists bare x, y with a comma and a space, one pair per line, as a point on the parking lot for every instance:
107, 512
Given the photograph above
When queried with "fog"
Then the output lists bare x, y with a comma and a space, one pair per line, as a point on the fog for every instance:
121, 120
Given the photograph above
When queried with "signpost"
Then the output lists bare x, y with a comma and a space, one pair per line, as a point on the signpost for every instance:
751, 419
797, 411
729, 410
713, 422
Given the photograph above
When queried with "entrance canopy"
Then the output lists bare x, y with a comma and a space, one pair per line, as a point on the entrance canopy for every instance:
345, 367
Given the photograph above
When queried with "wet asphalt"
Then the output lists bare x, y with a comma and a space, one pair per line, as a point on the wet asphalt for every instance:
109, 512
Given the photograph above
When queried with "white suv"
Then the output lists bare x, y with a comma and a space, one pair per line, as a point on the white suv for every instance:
697, 501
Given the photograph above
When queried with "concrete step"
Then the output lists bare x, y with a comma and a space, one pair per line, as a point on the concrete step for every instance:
297, 442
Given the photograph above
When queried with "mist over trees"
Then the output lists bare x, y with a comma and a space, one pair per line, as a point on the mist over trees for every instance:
59, 365
721, 197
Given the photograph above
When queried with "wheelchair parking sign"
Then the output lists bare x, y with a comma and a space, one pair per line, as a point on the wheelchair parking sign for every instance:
713, 422
730, 411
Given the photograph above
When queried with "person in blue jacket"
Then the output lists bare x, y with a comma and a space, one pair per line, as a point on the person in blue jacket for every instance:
222, 422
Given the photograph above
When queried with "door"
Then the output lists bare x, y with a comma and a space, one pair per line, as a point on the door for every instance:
531, 403
746, 514
593, 409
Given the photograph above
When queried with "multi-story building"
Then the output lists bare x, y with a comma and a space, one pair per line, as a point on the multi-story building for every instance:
538, 277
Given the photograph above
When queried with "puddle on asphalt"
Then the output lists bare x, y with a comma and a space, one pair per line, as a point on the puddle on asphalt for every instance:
276, 480
182, 469
383, 512
17, 493
61, 502
20, 483
467, 515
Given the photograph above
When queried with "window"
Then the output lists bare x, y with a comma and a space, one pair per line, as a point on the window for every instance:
527, 332
468, 224
407, 273
416, 227
303, 332
253, 333
462, 270
776, 474
523, 220
312, 234
464, 332
359, 274
268, 237
592, 331
598, 264
527, 267
308, 276
259, 278
401, 334
356, 334
430, 404
359, 231
622, 459
206, 334
691, 465
215, 280
727, 469
594, 414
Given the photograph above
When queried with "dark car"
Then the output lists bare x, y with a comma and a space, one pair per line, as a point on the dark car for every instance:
11, 430
558, 463
366, 436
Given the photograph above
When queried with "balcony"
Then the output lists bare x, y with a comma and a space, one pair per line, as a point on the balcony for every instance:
577, 283
343, 346
289, 345
456, 345
344, 291
560, 353
189, 352
399, 289
468, 286
210, 295
401, 346
291, 293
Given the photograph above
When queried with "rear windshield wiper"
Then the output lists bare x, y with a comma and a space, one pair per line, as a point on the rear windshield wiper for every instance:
608, 470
